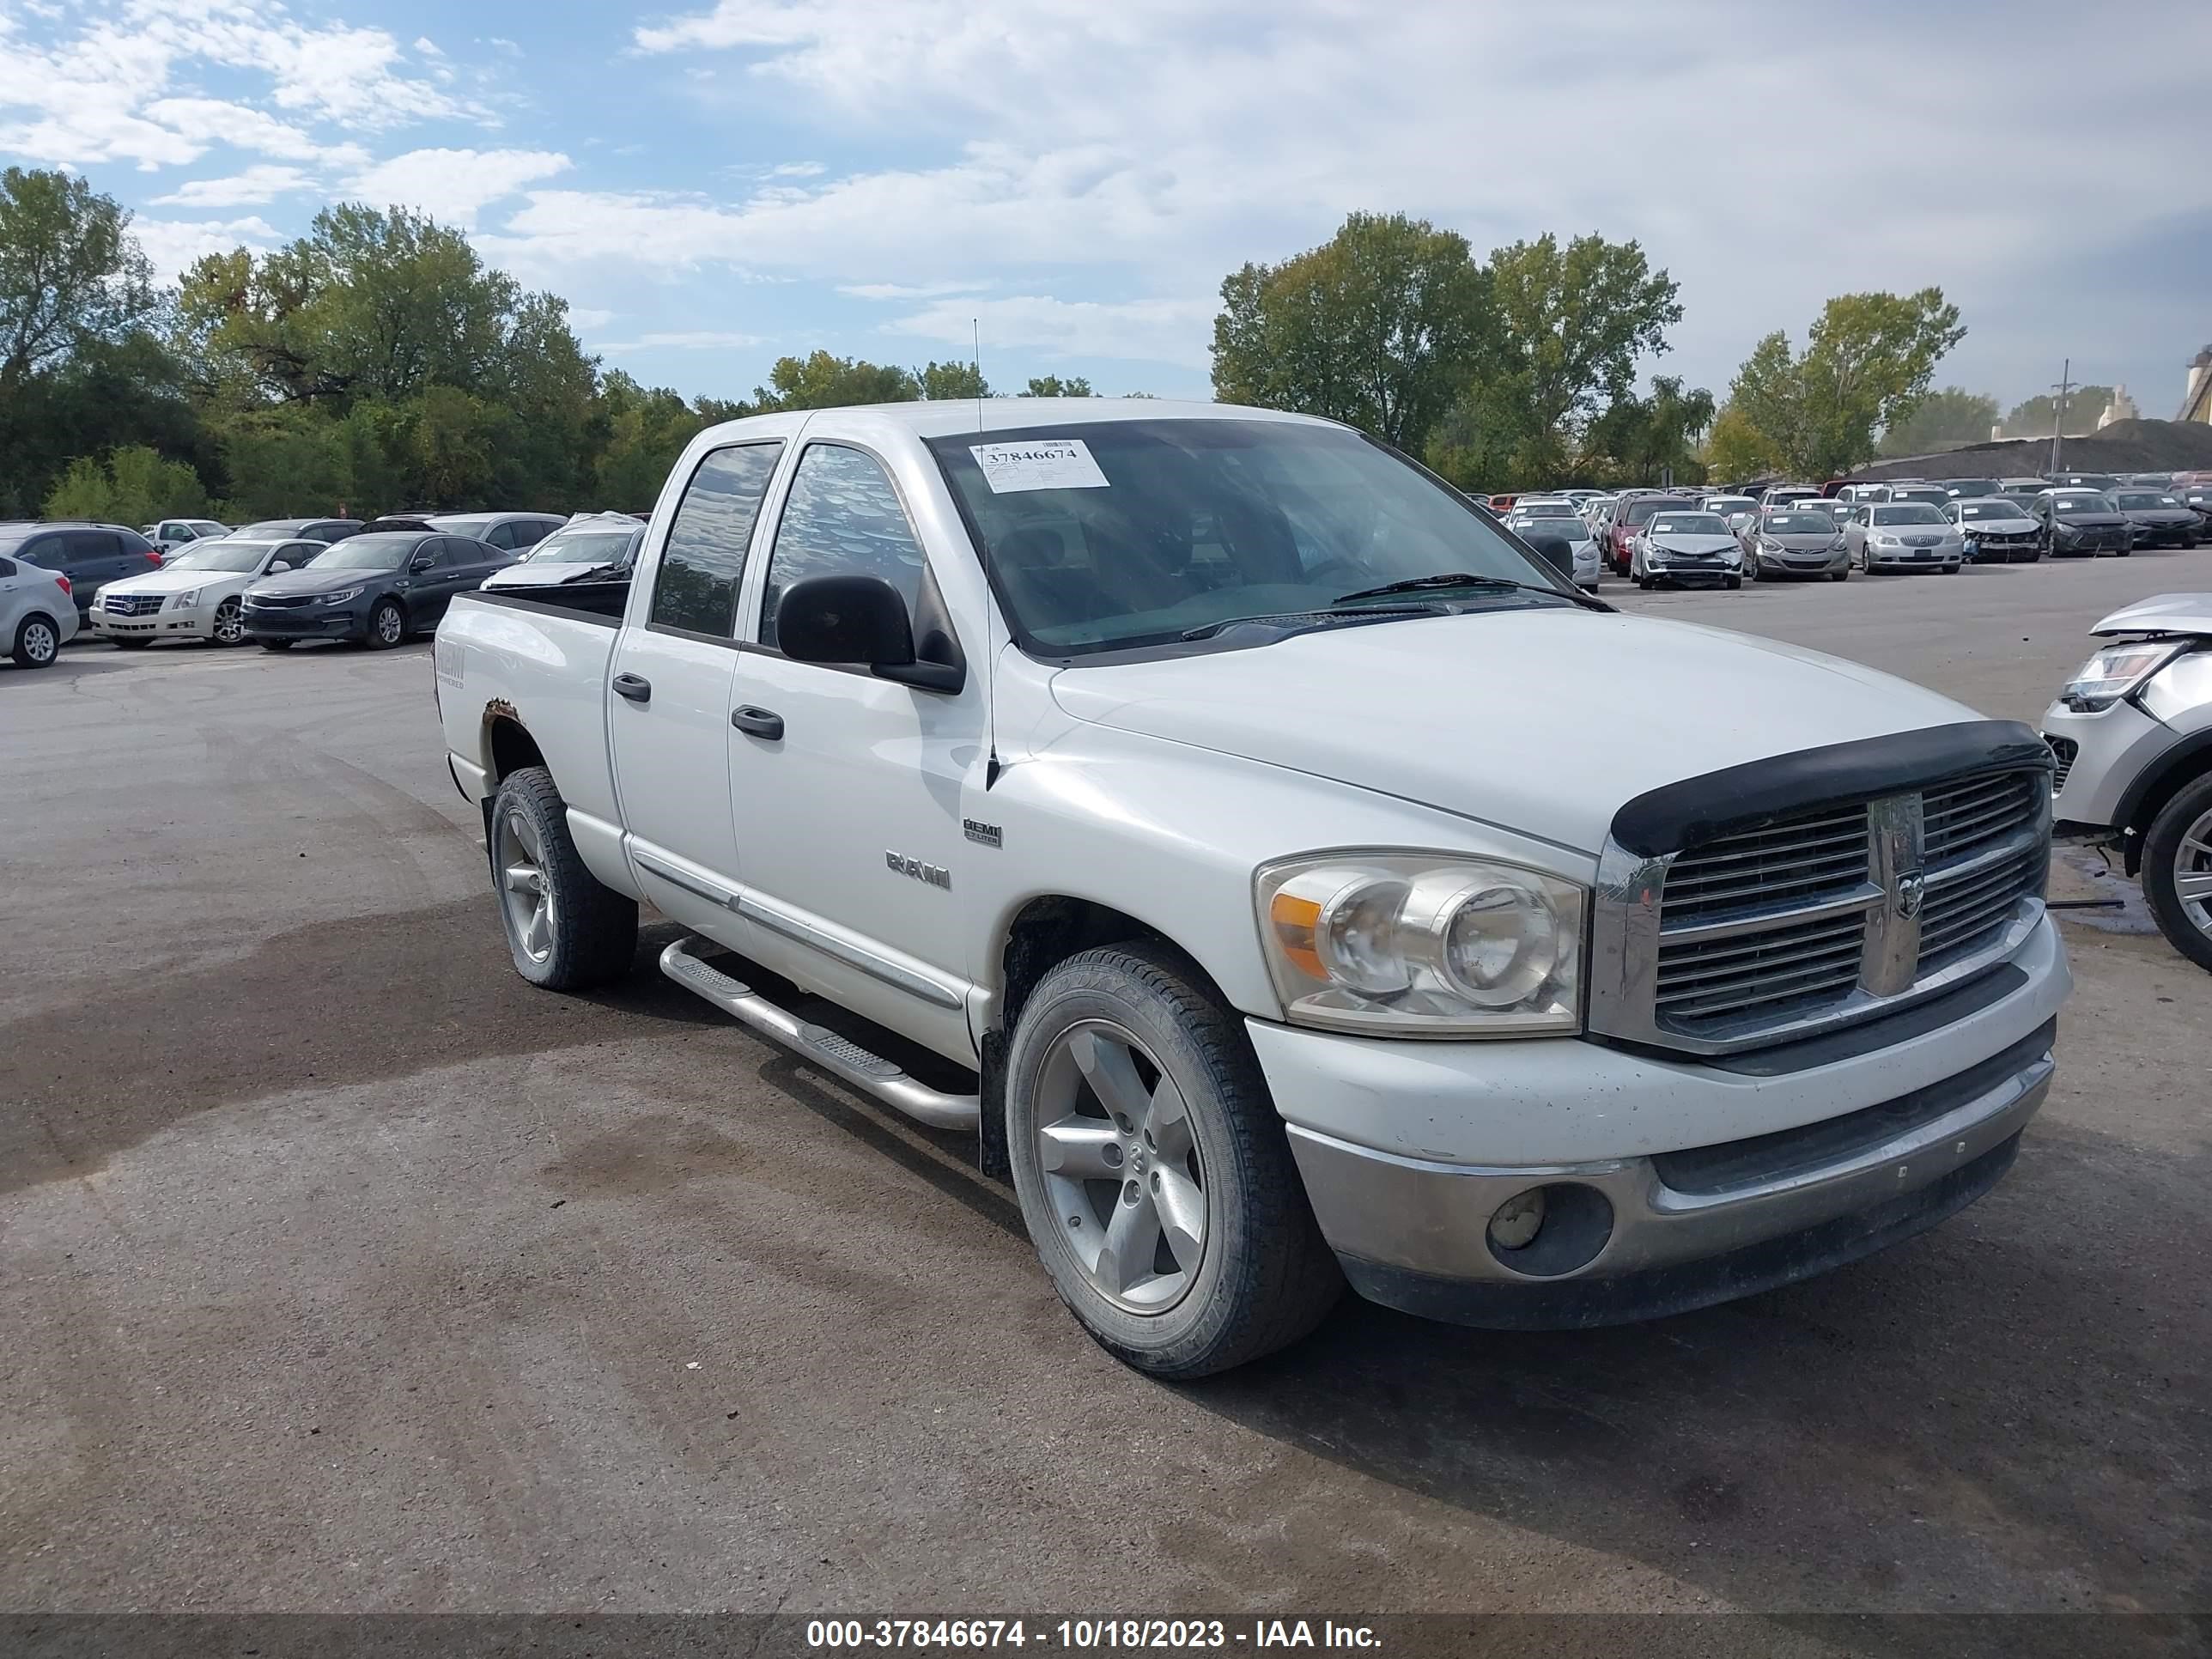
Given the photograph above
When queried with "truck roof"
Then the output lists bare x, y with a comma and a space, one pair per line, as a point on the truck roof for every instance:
939, 416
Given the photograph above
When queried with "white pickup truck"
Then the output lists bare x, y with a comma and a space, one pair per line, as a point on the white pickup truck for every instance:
1251, 842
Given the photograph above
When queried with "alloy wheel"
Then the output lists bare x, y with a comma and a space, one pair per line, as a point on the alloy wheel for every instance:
1120, 1160
40, 642
390, 624
523, 887
2192, 874
229, 623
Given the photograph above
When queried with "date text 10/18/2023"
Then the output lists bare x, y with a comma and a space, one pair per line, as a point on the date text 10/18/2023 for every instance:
1081, 1635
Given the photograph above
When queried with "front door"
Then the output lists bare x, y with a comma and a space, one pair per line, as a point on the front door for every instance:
669, 703
847, 790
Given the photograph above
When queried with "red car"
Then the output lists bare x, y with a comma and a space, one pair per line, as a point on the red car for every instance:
1630, 516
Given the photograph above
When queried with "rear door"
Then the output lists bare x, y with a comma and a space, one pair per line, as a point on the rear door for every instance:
668, 704
464, 564
92, 559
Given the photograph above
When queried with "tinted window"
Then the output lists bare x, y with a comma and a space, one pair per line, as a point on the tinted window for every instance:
528, 533
46, 553
1642, 508
385, 552
1688, 524
696, 588
1800, 524
90, 544
1907, 512
843, 518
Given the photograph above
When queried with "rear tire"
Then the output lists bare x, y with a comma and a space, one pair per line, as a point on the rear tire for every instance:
566, 931
2178, 845
1254, 1274
37, 642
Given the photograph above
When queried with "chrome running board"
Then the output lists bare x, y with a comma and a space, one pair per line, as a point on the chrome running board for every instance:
870, 1073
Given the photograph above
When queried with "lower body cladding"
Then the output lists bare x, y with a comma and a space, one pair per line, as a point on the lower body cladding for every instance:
1931, 1122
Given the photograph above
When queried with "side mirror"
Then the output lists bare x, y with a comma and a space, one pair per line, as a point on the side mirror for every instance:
422, 562
1554, 549
857, 620
276, 565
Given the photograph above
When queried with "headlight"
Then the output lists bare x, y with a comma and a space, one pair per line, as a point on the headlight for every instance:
2117, 670
186, 600
1889, 541
1421, 944
340, 597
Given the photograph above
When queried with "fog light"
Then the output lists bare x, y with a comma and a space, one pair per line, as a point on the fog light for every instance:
1517, 1220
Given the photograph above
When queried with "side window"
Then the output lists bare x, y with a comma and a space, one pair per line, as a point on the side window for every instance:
7, 568
527, 533
500, 536
87, 544
696, 589
842, 519
46, 553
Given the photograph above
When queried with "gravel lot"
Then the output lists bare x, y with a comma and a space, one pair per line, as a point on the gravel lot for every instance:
340, 1270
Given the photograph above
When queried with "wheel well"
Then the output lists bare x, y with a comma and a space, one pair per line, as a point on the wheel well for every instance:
508, 744
1046, 933
2187, 765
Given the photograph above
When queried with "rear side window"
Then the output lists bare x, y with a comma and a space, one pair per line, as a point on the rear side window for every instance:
46, 553
696, 589
528, 533
843, 518
91, 544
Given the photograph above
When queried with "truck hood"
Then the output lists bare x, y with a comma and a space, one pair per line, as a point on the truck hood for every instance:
1541, 722
2162, 613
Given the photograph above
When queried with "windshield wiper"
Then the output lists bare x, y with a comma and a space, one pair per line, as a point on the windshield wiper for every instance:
1467, 578
1316, 615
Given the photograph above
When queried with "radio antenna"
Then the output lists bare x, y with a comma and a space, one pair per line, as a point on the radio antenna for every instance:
991, 767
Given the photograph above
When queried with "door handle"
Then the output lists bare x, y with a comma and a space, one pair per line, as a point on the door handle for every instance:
757, 722
635, 687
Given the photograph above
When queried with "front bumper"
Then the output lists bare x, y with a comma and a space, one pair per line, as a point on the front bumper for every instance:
1669, 1185
1786, 564
1914, 558
1685, 574
307, 622
2109, 751
197, 624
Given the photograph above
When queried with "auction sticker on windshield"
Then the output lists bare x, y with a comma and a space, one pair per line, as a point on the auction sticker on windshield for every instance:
1041, 464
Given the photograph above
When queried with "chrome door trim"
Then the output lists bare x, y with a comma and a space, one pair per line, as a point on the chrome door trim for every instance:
934, 989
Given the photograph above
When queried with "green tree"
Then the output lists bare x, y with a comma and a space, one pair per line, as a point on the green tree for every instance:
134, 485
646, 431
1866, 365
1051, 386
941, 380
1949, 417
819, 381
71, 276
2032, 419
1736, 452
1380, 326
1651, 439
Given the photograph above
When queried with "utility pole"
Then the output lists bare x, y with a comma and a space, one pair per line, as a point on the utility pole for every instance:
2058, 414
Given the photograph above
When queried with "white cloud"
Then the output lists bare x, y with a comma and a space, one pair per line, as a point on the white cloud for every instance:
173, 245
1149, 331
908, 291
704, 339
453, 185
589, 319
254, 187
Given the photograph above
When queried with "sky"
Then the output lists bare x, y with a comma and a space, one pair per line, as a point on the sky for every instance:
716, 186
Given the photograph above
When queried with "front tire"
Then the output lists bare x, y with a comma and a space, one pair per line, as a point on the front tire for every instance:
122, 644
37, 642
229, 627
1153, 1172
566, 931
388, 625
2177, 871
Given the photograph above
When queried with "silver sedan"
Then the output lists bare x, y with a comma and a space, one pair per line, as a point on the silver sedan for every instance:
1784, 541
1904, 536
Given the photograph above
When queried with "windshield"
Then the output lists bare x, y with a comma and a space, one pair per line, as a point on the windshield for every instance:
1907, 512
2074, 507
2140, 498
464, 524
1725, 505
378, 552
1800, 524
1927, 493
229, 554
269, 530
1971, 487
1545, 510
587, 547
1688, 524
1115, 534
1988, 509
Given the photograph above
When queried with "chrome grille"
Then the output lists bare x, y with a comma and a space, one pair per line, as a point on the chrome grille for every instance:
130, 604
1838, 910
278, 601
1961, 819
1785, 863
2063, 750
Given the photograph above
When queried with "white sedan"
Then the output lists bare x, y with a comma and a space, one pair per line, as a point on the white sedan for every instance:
1552, 517
195, 596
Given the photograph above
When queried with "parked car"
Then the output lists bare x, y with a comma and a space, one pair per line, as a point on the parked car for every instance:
1632, 512
1526, 1010
377, 588
1959, 489
89, 554
1935, 495
591, 547
2082, 522
1533, 517
299, 530
1680, 545
170, 534
2159, 518
2149, 480
197, 594
2026, 489
37, 614
1904, 536
1857, 495
2132, 734
1996, 530
508, 531
2198, 498
1728, 506
1789, 494
2099, 481
1795, 541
